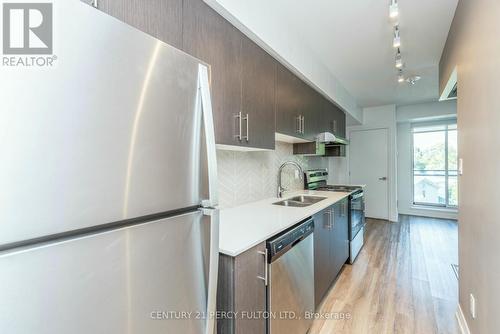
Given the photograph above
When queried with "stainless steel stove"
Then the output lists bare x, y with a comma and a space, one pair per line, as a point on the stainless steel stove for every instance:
318, 180
340, 188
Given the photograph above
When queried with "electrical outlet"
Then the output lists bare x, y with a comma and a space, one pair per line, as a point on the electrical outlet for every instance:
472, 306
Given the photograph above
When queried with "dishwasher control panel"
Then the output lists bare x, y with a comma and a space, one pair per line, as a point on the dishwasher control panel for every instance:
281, 243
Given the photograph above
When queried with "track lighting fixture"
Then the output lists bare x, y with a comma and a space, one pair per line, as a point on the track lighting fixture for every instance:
397, 38
399, 59
401, 77
413, 79
396, 43
393, 9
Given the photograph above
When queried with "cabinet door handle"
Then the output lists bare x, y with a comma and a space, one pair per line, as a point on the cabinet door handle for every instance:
248, 127
332, 219
238, 135
329, 220
266, 272
298, 124
303, 124
247, 119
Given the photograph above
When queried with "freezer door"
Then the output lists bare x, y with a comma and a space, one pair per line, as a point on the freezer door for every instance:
113, 131
149, 278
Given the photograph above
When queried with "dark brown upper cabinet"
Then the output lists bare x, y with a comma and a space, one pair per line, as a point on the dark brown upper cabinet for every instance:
333, 119
258, 96
343, 123
212, 39
243, 78
307, 111
302, 112
290, 104
314, 112
253, 96
158, 18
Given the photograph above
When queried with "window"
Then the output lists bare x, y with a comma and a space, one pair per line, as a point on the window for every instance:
435, 180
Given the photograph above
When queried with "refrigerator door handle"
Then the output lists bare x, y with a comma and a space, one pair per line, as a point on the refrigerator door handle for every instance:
208, 121
213, 269
212, 202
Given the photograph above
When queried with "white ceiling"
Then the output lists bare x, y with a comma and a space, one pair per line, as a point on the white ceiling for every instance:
354, 40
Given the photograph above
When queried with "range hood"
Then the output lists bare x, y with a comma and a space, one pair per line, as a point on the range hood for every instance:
326, 145
330, 139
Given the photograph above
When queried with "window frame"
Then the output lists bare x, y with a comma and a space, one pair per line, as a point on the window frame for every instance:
446, 124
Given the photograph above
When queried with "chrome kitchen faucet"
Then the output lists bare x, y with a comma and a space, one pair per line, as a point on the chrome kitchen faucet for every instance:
291, 163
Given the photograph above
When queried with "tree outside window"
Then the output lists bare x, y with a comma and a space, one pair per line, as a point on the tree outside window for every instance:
435, 180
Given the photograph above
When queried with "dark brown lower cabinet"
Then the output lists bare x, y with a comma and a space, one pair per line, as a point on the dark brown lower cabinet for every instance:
341, 232
340, 236
331, 247
322, 261
241, 289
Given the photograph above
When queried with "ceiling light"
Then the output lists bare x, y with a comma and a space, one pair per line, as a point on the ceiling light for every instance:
397, 39
399, 59
393, 9
401, 77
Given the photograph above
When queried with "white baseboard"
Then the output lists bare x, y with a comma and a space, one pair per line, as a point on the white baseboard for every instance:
462, 323
430, 212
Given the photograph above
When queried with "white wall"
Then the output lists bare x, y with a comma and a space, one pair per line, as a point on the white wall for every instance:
406, 115
473, 49
431, 111
259, 24
384, 117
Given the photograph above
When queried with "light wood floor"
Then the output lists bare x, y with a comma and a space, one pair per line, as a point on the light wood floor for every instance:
401, 282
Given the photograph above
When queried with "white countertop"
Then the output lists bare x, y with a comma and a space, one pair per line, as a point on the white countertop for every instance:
245, 226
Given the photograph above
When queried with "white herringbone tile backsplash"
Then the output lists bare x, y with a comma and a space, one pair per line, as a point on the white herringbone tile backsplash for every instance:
251, 176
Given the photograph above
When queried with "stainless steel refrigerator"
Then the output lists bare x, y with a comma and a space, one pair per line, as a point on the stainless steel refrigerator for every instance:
108, 219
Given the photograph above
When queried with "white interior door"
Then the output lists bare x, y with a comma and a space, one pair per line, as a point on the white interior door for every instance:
368, 161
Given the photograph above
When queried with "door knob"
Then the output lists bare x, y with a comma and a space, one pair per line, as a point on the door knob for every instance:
382, 178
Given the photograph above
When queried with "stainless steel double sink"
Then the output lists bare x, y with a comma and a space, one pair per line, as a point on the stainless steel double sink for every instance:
300, 201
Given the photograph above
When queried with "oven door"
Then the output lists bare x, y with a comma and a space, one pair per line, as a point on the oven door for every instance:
357, 211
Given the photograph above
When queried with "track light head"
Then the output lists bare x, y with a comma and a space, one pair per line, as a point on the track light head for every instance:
401, 77
397, 38
399, 59
393, 9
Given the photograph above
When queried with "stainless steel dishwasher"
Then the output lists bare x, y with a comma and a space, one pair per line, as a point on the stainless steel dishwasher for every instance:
291, 280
